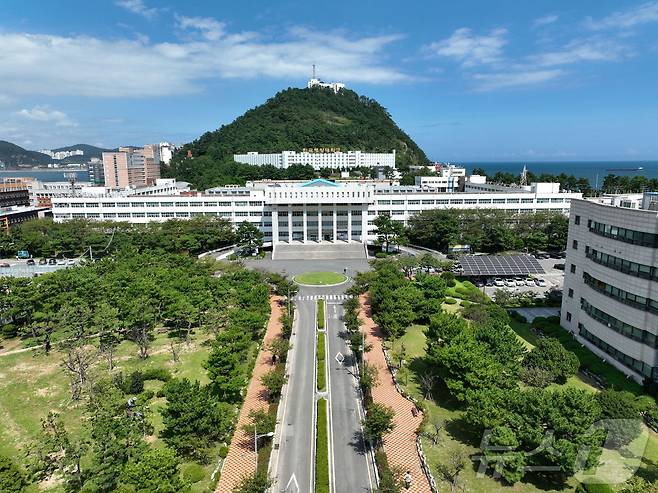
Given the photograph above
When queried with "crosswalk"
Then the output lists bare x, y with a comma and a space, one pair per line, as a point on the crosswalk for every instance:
326, 297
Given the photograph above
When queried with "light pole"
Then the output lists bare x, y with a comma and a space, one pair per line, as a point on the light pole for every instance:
257, 436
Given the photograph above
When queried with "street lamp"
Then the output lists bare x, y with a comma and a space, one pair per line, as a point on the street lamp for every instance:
257, 436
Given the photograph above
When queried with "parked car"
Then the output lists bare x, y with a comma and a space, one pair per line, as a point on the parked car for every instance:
479, 283
529, 282
5, 264
61, 261
558, 266
43, 261
540, 282
31, 261
510, 283
71, 261
519, 281
554, 254
52, 261
499, 283
489, 282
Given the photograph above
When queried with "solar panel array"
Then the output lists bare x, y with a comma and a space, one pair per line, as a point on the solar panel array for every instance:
500, 265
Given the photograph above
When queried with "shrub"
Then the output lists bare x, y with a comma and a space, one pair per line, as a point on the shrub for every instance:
135, 383
9, 331
12, 480
320, 314
321, 450
449, 278
380, 255
274, 380
223, 451
157, 373
465, 303
594, 488
450, 301
321, 377
518, 317
147, 395
192, 473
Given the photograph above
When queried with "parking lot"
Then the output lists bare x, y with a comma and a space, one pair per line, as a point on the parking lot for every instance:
554, 280
20, 268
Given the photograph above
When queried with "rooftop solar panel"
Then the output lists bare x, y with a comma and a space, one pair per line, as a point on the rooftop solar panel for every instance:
500, 265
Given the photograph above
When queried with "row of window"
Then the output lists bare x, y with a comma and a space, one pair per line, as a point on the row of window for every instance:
646, 304
622, 265
635, 365
159, 204
623, 234
618, 326
315, 213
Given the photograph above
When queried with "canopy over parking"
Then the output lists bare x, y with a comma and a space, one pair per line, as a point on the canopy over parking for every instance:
500, 265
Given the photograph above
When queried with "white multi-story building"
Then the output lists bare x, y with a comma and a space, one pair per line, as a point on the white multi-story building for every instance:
334, 86
610, 300
334, 160
318, 210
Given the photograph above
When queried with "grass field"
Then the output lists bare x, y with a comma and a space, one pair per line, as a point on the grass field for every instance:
32, 384
457, 435
320, 278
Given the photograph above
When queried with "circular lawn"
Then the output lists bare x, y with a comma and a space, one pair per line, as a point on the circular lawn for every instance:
320, 278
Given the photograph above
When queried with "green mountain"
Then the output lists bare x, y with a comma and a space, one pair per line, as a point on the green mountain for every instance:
292, 120
13, 155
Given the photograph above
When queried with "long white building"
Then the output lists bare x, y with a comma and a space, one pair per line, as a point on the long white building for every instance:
318, 210
333, 160
610, 300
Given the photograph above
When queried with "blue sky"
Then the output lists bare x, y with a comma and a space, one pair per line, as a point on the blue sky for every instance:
469, 81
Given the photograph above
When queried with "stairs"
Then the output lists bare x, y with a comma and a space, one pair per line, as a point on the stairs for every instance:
319, 251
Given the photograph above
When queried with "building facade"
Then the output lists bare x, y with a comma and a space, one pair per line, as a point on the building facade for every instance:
333, 160
319, 210
610, 300
132, 166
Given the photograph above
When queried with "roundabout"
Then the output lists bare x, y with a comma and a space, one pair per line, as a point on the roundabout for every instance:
320, 278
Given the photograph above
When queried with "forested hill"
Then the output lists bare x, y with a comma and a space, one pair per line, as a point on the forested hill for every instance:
12, 155
292, 120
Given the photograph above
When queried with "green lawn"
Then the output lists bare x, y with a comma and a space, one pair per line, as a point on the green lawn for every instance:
320, 278
322, 449
32, 384
457, 435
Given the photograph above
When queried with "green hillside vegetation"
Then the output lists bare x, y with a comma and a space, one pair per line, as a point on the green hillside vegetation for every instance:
13, 155
292, 120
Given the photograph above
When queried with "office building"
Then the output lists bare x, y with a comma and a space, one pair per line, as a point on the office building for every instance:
132, 166
317, 210
610, 300
320, 158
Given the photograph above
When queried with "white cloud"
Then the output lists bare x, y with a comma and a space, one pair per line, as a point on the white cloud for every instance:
503, 80
642, 14
545, 20
46, 115
210, 28
137, 7
589, 50
91, 66
469, 49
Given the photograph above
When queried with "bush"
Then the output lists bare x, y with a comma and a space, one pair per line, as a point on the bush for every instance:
466, 303
157, 373
192, 473
550, 355
223, 451
9, 331
321, 450
12, 480
320, 314
449, 278
135, 383
147, 395
321, 377
380, 255
594, 488
450, 301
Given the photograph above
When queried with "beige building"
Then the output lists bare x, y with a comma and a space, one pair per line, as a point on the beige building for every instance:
132, 166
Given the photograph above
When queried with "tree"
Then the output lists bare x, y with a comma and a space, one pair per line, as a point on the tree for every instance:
426, 381
389, 232
378, 422
194, 420
550, 355
256, 483
279, 348
248, 237
261, 422
639, 485
428, 261
450, 469
408, 264
155, 470
368, 377
12, 479
274, 380
105, 322
621, 412
443, 327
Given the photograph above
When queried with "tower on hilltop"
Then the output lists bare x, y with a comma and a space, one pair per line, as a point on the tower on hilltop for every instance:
315, 82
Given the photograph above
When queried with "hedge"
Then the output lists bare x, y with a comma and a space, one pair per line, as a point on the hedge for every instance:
321, 378
450, 301
322, 450
320, 314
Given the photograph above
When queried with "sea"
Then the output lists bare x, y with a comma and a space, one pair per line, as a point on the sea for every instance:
594, 171
45, 174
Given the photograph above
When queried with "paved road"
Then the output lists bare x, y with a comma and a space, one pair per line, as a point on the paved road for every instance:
351, 462
298, 432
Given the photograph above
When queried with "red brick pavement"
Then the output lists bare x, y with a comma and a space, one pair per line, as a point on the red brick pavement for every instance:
400, 443
241, 459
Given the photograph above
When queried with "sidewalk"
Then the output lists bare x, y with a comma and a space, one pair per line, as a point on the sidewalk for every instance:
241, 458
400, 443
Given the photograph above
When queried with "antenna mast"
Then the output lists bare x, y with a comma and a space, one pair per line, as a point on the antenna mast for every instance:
314, 70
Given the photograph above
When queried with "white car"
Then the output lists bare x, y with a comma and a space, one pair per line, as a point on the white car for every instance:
510, 283
541, 283
530, 282
61, 261
499, 283
519, 281
71, 261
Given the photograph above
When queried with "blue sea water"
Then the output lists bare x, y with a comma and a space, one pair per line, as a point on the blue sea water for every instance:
592, 170
45, 175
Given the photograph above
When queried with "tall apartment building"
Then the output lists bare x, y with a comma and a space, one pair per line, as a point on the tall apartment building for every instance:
610, 300
132, 166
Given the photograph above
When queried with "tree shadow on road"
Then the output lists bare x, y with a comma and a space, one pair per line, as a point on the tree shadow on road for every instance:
358, 443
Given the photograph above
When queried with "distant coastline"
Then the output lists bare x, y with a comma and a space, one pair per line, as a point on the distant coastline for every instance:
45, 174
